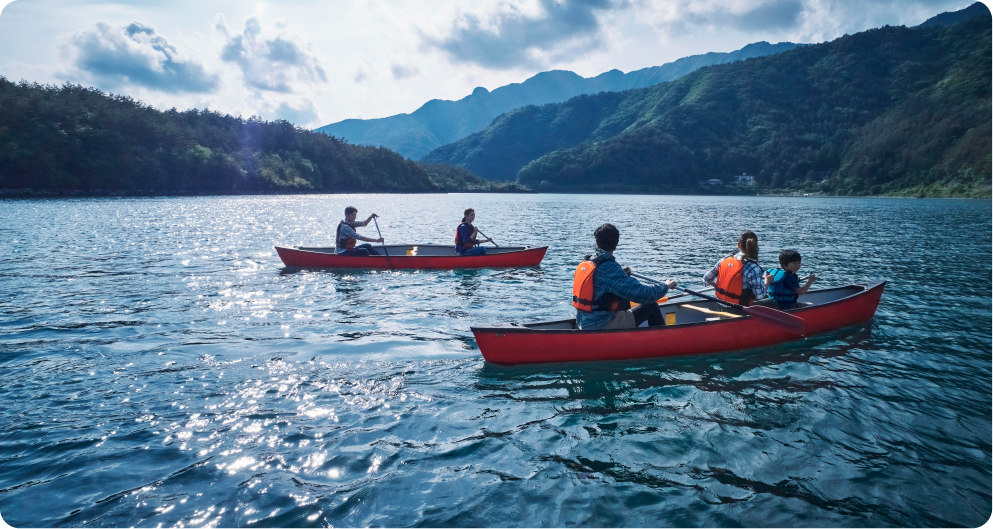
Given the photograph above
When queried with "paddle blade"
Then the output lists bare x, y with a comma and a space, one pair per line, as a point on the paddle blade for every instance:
778, 318
661, 300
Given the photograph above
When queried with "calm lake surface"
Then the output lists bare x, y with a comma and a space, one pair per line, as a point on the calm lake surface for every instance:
160, 367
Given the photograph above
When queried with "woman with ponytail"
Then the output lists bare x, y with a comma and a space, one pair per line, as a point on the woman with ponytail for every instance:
466, 243
738, 278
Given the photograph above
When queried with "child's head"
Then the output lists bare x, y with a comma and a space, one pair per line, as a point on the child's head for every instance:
790, 260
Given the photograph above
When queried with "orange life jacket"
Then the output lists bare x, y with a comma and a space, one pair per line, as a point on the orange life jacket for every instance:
729, 275
468, 244
348, 243
582, 292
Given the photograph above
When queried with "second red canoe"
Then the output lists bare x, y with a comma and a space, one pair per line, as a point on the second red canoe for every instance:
413, 257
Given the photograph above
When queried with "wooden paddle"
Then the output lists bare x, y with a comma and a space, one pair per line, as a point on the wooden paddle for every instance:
663, 299
677, 296
667, 299
772, 316
484, 235
714, 312
388, 261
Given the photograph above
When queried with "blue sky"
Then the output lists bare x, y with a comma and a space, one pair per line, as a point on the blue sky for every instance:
315, 63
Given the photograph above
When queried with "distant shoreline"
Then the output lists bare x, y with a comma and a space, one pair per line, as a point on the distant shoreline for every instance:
47, 193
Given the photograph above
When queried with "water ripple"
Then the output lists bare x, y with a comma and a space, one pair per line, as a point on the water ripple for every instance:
161, 367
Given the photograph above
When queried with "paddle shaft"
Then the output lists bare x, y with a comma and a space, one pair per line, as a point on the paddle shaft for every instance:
677, 296
688, 291
484, 235
388, 261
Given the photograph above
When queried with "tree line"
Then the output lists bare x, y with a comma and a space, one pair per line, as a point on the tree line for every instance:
74, 139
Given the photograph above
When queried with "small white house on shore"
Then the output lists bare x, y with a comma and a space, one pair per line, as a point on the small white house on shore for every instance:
744, 179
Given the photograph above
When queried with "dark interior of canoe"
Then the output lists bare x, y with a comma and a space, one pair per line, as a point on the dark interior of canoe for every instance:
685, 310
428, 250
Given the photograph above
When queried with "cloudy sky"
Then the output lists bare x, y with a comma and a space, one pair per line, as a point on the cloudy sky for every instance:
318, 62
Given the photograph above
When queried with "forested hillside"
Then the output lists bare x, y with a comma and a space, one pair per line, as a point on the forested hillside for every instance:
893, 110
439, 122
74, 139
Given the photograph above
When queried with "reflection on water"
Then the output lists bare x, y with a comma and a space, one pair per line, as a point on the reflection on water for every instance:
162, 368
468, 285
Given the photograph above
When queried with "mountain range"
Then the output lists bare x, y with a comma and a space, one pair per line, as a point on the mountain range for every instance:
880, 112
439, 122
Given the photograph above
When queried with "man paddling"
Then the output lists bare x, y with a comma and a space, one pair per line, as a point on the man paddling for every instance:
345, 235
602, 291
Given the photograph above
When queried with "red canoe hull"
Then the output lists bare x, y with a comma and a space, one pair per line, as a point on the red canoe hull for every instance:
512, 258
521, 345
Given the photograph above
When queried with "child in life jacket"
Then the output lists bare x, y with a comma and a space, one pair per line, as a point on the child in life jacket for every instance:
602, 291
738, 278
785, 287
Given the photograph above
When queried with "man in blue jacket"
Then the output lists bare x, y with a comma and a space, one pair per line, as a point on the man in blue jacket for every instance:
613, 290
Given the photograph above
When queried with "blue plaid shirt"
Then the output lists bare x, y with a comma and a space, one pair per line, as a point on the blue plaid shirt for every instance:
609, 277
751, 276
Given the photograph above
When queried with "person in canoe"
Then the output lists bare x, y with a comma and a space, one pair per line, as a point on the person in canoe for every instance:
466, 243
602, 291
785, 287
738, 278
346, 237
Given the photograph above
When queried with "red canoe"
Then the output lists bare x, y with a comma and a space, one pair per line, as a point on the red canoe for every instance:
422, 256
689, 331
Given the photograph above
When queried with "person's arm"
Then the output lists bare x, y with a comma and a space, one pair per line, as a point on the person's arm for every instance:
348, 231
711, 278
618, 283
475, 237
366, 222
810, 281
753, 279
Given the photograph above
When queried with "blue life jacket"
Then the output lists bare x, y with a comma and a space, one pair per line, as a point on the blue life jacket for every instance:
778, 291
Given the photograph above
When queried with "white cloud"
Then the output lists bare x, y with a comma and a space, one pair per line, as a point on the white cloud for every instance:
400, 71
523, 34
271, 59
115, 57
303, 113
353, 59
797, 20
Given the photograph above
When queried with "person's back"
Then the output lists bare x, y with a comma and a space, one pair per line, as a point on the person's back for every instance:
737, 279
783, 288
606, 274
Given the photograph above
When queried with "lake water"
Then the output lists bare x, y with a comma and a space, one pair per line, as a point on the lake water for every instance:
160, 367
